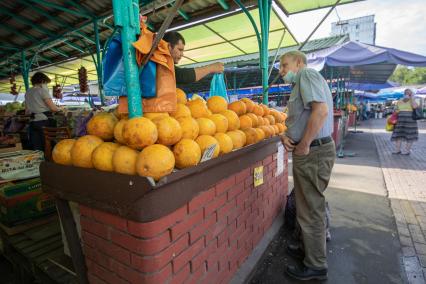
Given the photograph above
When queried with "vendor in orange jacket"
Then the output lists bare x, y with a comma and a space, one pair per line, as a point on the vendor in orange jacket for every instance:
188, 75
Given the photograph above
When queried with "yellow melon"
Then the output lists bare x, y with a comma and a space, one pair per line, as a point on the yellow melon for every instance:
181, 96
190, 128
249, 104
124, 160
260, 121
169, 130
284, 116
102, 125
181, 111
281, 127
258, 110
102, 156
198, 108
265, 109
233, 120
267, 131
155, 161
118, 131
238, 107
251, 136
254, 119
271, 119
217, 104
187, 153
153, 115
260, 134
207, 126
243, 136
266, 121
225, 143
81, 152
276, 129
61, 154
237, 139
220, 121
276, 114
139, 132
245, 122
205, 141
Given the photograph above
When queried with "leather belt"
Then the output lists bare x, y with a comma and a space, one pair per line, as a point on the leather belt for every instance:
321, 141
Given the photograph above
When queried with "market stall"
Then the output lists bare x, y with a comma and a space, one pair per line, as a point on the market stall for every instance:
160, 221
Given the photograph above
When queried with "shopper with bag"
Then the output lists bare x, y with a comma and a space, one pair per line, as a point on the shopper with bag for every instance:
310, 125
188, 75
406, 128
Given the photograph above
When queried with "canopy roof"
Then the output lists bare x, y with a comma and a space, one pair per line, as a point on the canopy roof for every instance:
370, 87
59, 31
298, 6
362, 63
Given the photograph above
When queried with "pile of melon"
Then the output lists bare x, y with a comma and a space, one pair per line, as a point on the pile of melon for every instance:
157, 143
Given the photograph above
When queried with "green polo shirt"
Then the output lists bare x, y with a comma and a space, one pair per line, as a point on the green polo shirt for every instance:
310, 87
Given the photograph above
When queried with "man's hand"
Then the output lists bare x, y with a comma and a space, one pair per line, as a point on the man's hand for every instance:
288, 143
302, 149
217, 67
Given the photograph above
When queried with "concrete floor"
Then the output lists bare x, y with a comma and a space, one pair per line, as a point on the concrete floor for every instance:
364, 246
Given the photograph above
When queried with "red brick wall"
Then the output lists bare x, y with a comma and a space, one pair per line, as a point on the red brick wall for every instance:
205, 241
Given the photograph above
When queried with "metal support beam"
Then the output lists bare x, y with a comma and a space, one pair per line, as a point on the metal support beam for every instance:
126, 16
25, 71
62, 8
81, 8
319, 24
74, 46
223, 4
253, 23
60, 52
98, 62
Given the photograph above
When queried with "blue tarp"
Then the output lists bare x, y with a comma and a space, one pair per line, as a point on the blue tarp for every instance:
353, 53
370, 87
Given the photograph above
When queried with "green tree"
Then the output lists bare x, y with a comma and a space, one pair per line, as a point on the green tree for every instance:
409, 76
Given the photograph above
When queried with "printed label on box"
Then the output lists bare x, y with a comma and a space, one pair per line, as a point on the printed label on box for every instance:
208, 153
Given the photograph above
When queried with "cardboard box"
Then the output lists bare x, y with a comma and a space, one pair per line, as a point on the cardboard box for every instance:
20, 165
24, 201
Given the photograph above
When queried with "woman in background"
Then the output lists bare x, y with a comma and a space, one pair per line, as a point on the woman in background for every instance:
40, 106
406, 128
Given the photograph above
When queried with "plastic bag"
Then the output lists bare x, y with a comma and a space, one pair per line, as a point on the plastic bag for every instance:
389, 127
218, 87
393, 119
114, 81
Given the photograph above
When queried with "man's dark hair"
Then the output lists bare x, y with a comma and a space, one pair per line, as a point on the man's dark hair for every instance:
173, 38
39, 78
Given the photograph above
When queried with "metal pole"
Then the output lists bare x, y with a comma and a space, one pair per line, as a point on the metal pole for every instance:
25, 71
98, 63
127, 18
319, 24
264, 12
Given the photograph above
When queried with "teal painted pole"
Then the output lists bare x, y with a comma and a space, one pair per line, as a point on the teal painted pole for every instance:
126, 17
25, 71
264, 13
253, 23
99, 62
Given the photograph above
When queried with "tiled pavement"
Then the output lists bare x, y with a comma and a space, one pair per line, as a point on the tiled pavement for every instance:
405, 179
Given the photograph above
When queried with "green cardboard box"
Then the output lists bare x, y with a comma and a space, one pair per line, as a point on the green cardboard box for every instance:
24, 201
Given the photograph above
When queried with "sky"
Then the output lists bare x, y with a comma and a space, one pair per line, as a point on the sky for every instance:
400, 24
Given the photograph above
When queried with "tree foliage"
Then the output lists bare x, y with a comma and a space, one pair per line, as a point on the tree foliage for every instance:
409, 76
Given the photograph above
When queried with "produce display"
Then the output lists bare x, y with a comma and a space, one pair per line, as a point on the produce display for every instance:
158, 143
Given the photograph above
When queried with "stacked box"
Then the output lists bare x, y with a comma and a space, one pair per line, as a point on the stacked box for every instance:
23, 201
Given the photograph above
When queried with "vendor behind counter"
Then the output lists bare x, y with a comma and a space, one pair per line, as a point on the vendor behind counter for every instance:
40, 106
188, 75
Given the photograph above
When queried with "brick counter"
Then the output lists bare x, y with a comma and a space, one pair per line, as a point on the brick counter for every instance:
204, 241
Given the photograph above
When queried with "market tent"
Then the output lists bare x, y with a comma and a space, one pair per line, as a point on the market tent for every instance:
363, 63
298, 6
421, 91
370, 87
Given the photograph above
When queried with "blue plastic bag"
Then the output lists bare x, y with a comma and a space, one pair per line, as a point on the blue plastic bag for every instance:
113, 70
218, 86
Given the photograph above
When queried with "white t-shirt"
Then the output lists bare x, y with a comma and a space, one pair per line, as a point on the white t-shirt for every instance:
35, 102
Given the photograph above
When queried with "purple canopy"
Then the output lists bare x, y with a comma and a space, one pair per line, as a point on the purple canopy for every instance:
421, 91
355, 53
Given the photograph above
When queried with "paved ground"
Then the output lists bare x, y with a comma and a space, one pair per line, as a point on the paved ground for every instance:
378, 207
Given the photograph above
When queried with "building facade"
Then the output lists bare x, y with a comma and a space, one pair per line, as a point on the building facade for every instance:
362, 29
